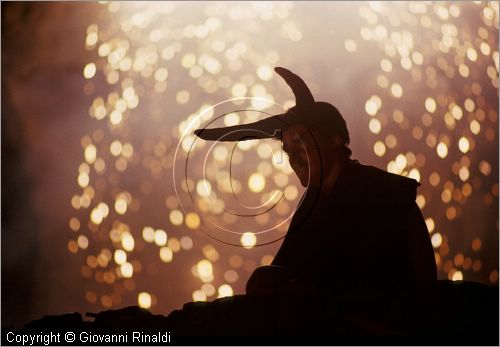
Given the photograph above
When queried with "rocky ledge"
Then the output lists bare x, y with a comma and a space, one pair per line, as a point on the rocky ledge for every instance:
451, 313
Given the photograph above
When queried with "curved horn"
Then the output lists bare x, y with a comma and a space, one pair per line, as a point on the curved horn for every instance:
303, 96
266, 128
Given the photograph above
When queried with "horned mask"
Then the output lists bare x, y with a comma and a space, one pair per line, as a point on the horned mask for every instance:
314, 115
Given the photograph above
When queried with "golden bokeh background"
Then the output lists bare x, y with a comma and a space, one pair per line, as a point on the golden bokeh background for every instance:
417, 83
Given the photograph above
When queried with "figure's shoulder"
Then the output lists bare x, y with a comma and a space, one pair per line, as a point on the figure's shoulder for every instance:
382, 176
379, 182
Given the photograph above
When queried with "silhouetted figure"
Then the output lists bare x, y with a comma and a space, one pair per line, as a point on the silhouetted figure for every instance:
357, 252
357, 230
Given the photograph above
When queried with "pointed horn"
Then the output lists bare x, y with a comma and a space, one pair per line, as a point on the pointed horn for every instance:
303, 96
263, 129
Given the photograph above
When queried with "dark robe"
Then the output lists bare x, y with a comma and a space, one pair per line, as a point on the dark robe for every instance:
355, 239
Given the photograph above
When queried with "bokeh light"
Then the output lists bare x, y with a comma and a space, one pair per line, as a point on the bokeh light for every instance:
427, 108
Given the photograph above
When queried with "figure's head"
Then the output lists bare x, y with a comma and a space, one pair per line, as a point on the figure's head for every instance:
317, 143
314, 134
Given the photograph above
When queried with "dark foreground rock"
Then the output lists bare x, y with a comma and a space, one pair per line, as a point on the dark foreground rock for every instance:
452, 313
